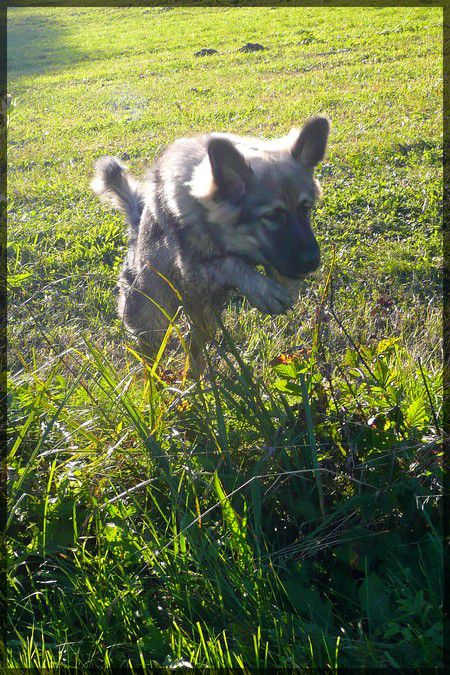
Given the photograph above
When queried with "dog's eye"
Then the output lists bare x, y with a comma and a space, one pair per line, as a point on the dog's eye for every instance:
305, 207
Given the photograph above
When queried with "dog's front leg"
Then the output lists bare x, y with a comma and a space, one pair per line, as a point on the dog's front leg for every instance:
261, 291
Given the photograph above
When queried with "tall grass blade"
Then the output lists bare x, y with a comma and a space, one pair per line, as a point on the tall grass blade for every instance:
312, 441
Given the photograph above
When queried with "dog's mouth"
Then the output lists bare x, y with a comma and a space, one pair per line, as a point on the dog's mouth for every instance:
295, 275
283, 278
280, 270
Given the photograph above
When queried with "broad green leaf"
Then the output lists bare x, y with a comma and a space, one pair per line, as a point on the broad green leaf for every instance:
235, 525
416, 413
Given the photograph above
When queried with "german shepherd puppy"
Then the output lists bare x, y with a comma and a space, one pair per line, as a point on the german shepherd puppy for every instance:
209, 211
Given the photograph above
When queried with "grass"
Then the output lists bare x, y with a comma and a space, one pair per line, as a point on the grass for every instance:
286, 512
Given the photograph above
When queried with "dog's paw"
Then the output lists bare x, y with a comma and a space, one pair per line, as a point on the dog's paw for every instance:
268, 296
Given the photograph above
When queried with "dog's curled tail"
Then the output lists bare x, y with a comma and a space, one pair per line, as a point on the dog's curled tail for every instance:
113, 184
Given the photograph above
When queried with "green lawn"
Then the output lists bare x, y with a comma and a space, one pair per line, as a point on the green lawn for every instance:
275, 515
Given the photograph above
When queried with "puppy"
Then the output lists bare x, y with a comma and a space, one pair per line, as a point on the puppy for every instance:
210, 210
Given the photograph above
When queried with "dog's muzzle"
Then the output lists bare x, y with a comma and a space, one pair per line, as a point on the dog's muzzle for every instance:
301, 266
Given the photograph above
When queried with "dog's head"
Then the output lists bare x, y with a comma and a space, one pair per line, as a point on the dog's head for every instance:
259, 196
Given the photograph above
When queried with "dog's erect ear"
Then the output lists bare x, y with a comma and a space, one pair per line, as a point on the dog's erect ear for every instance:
311, 143
230, 171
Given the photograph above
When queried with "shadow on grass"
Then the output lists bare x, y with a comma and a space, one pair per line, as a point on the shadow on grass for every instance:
36, 43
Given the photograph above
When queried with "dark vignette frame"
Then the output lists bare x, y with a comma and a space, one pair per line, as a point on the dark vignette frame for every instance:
3, 365
446, 323
445, 240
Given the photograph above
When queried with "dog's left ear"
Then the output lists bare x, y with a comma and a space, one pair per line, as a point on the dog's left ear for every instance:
230, 171
311, 143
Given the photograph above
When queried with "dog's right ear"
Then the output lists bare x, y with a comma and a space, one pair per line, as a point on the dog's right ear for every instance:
230, 171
